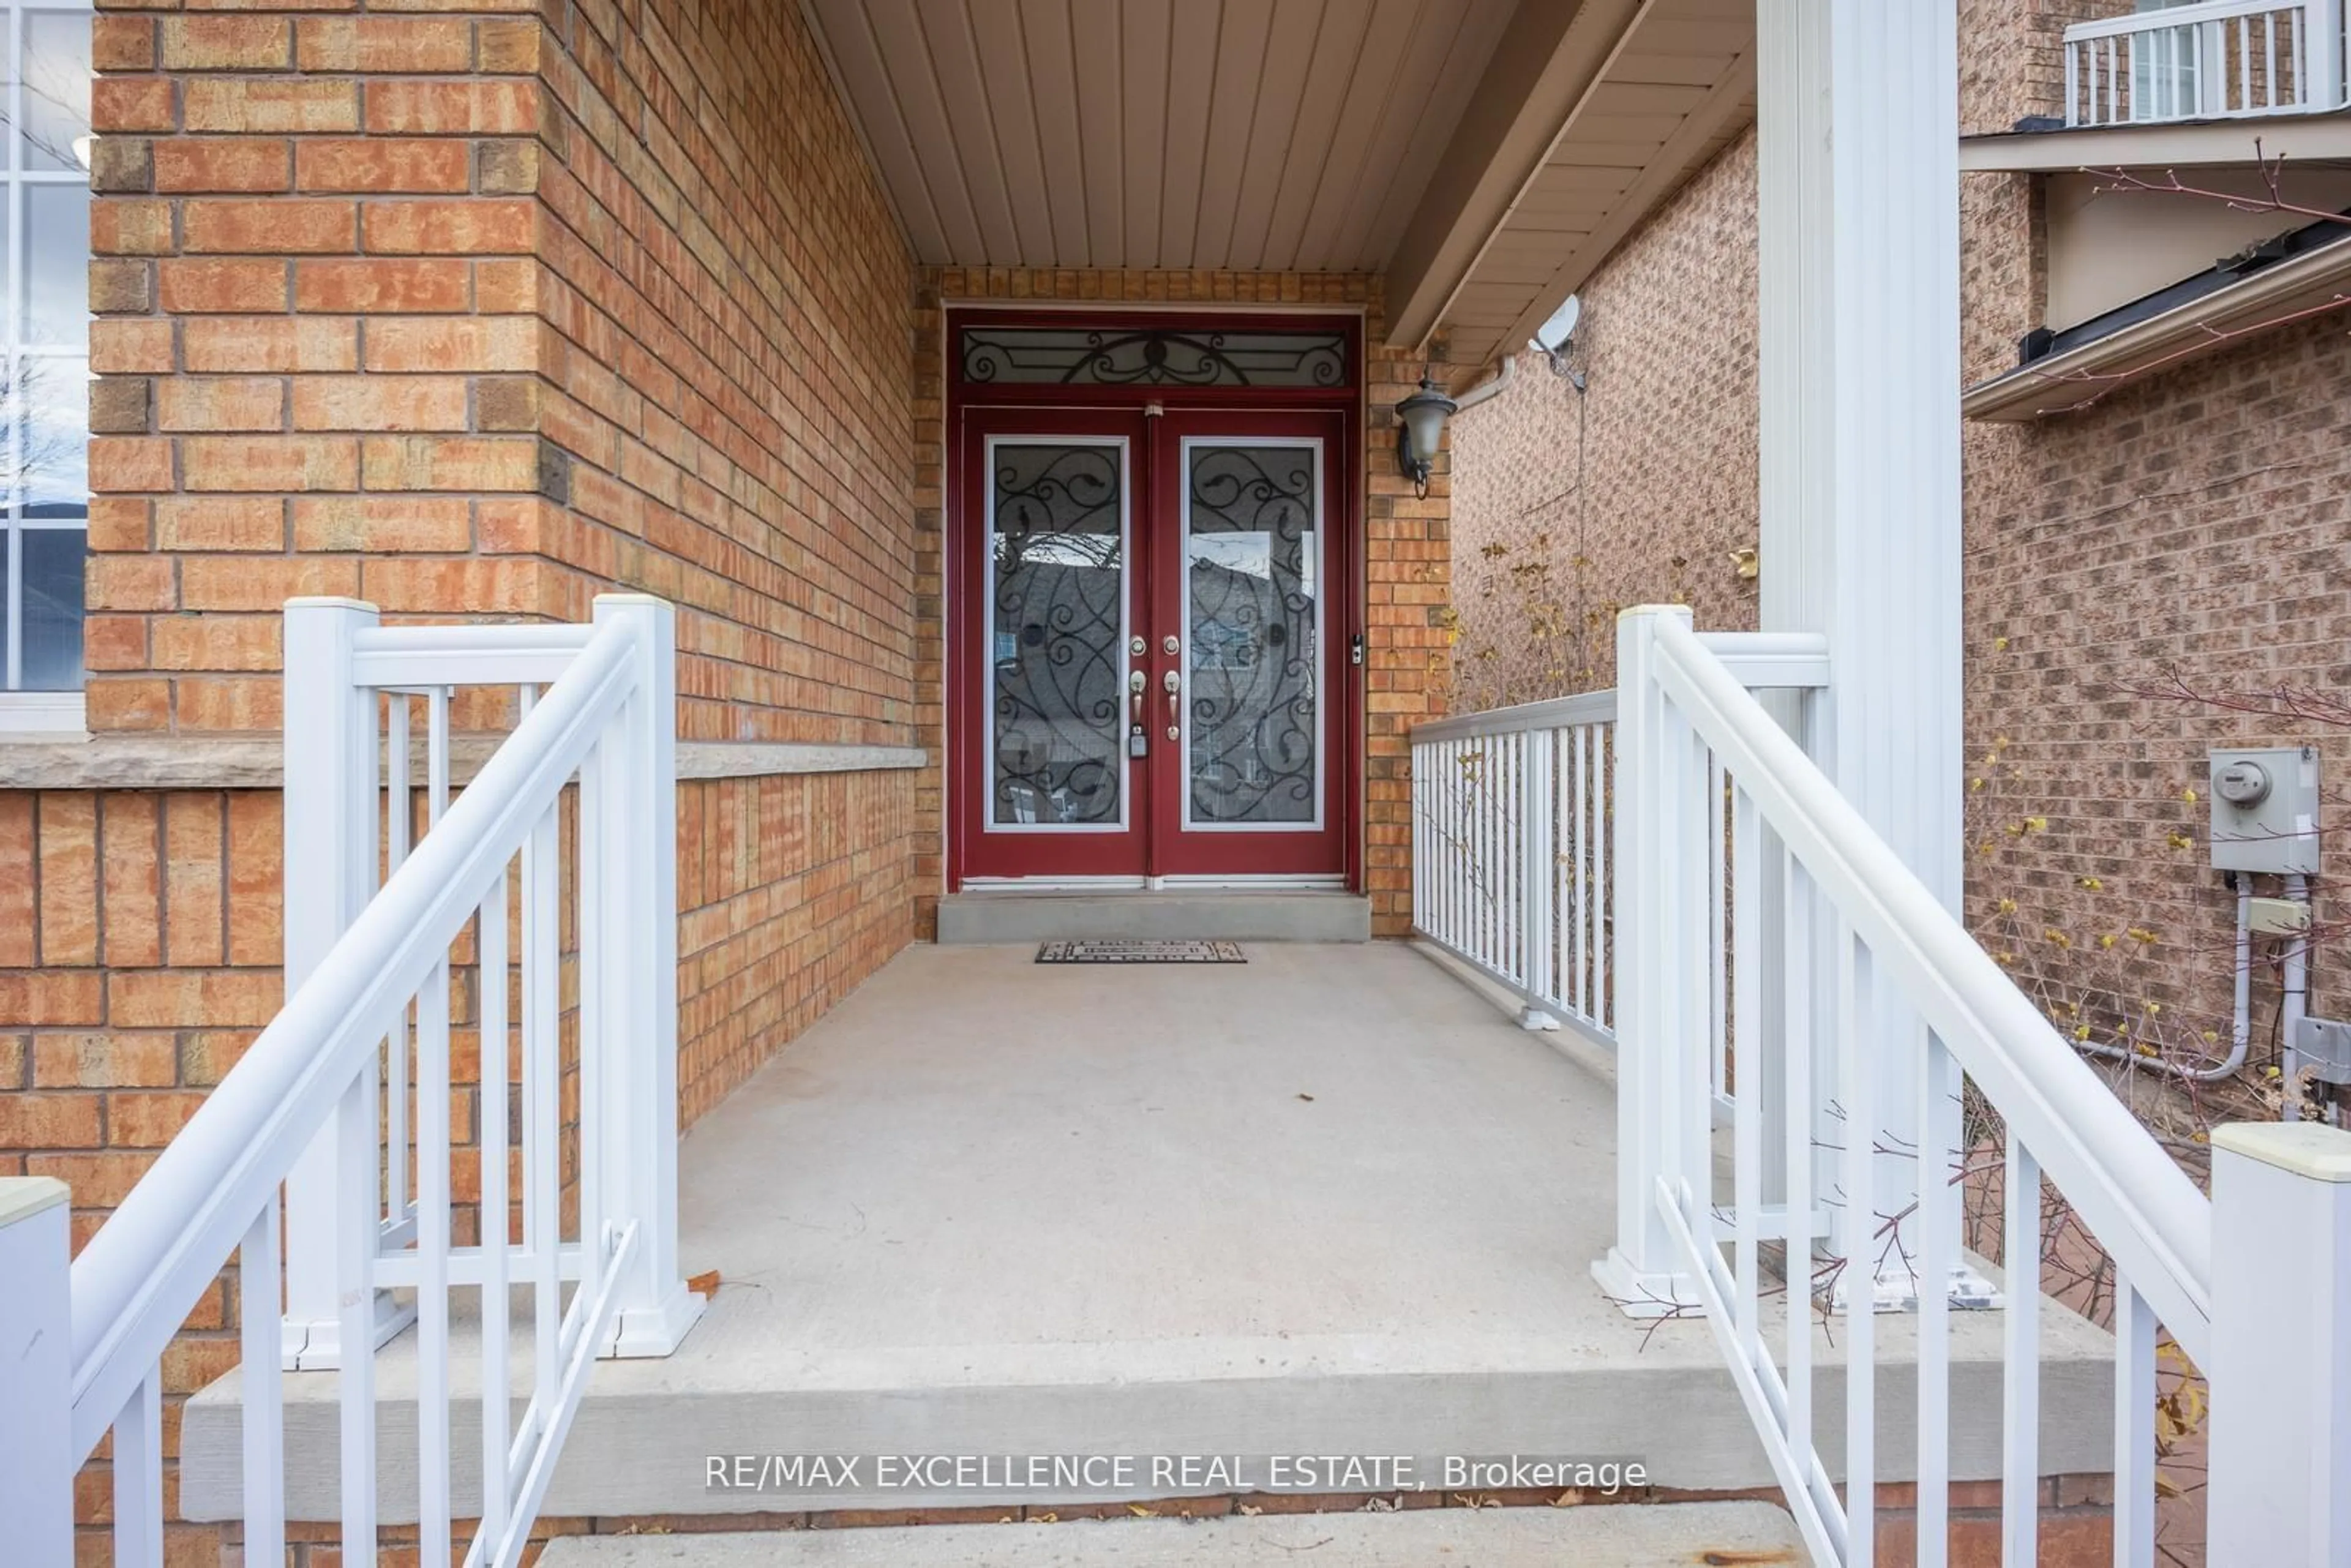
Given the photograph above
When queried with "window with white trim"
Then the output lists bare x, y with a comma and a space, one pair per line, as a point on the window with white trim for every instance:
45, 356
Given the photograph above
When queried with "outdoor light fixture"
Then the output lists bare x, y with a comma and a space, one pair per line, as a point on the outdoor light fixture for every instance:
1420, 425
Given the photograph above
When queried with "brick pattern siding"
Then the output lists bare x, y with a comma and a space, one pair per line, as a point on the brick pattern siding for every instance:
2191, 522
1406, 536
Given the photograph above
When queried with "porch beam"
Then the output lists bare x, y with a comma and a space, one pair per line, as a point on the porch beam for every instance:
1549, 58
1858, 230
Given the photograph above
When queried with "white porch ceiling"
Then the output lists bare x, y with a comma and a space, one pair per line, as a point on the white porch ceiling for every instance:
1266, 135
1485, 154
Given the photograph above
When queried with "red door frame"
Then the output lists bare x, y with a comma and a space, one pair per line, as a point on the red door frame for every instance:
972, 409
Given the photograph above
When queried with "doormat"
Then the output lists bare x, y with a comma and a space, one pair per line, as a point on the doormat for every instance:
1141, 953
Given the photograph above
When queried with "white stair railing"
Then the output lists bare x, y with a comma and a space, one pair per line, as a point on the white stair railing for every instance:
2219, 59
1824, 915
482, 887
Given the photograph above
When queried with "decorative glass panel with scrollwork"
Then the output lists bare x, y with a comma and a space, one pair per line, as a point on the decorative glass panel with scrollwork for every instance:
1252, 572
1152, 357
1057, 588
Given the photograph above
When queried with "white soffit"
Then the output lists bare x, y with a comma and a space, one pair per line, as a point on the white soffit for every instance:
1676, 85
1271, 135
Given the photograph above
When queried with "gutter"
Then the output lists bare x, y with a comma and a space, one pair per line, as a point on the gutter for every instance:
2310, 284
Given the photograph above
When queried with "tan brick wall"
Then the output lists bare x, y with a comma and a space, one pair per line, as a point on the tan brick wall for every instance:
2195, 522
1638, 489
1405, 535
472, 312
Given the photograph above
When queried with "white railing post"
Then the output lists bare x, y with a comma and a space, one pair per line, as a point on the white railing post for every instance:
2325, 56
1645, 1271
330, 808
36, 1459
2281, 1456
635, 781
1538, 877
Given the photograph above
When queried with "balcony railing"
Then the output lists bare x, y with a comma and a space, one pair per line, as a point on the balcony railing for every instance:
2221, 59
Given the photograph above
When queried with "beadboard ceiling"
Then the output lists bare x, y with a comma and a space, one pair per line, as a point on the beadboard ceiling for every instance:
1485, 154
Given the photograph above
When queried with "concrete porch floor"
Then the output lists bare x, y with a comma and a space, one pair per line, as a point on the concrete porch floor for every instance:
1330, 1201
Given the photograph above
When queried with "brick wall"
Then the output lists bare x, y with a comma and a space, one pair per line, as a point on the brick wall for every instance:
471, 311
1637, 490
2191, 523
1405, 535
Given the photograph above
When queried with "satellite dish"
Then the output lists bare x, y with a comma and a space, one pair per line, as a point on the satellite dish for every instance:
1554, 335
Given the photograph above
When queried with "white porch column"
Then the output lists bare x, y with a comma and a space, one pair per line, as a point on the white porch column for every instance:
1858, 228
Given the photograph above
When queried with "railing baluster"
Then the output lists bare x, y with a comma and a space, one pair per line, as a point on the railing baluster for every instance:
2270, 57
2020, 1467
262, 1411
1938, 1255
593, 893
1747, 1105
1717, 1016
138, 1475
1603, 980
1857, 1087
1796, 1002
542, 981
2244, 63
2073, 84
2134, 1427
357, 1242
1579, 886
397, 821
490, 1139
432, 1256
436, 755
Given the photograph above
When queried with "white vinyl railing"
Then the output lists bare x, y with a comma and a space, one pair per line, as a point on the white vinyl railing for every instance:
2215, 60
357, 1071
1849, 983
1511, 831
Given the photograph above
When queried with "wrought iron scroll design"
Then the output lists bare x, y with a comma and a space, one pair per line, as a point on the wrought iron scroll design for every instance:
1058, 583
1251, 581
1152, 357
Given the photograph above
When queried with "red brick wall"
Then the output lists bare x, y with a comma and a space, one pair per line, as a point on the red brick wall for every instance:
1405, 535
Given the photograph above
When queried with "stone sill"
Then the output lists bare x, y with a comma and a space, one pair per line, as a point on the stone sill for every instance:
30, 761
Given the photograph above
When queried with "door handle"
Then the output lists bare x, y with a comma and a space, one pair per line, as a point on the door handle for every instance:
1174, 685
1135, 682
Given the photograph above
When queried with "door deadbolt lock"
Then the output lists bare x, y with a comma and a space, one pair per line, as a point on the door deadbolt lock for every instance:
1137, 645
1171, 644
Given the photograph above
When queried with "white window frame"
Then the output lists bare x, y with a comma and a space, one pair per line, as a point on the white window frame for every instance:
42, 713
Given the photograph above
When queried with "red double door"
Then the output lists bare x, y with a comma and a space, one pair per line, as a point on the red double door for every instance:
1150, 645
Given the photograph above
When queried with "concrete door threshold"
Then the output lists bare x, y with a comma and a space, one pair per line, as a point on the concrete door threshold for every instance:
1625, 1535
1012, 915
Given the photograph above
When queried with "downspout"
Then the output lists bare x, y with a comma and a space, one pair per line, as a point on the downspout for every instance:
1500, 380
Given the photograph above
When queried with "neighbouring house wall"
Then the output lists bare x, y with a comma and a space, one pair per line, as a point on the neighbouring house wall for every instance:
472, 313
1406, 536
1638, 489
2195, 522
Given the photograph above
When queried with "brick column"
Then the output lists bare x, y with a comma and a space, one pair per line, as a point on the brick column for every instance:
316, 344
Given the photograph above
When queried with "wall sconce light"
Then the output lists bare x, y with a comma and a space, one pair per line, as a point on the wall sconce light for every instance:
1420, 426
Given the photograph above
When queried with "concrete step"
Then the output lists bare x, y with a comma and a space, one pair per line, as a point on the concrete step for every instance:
1007, 915
1629, 1535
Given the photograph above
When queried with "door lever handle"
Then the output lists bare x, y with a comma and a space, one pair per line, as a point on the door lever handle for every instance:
1135, 682
1174, 685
